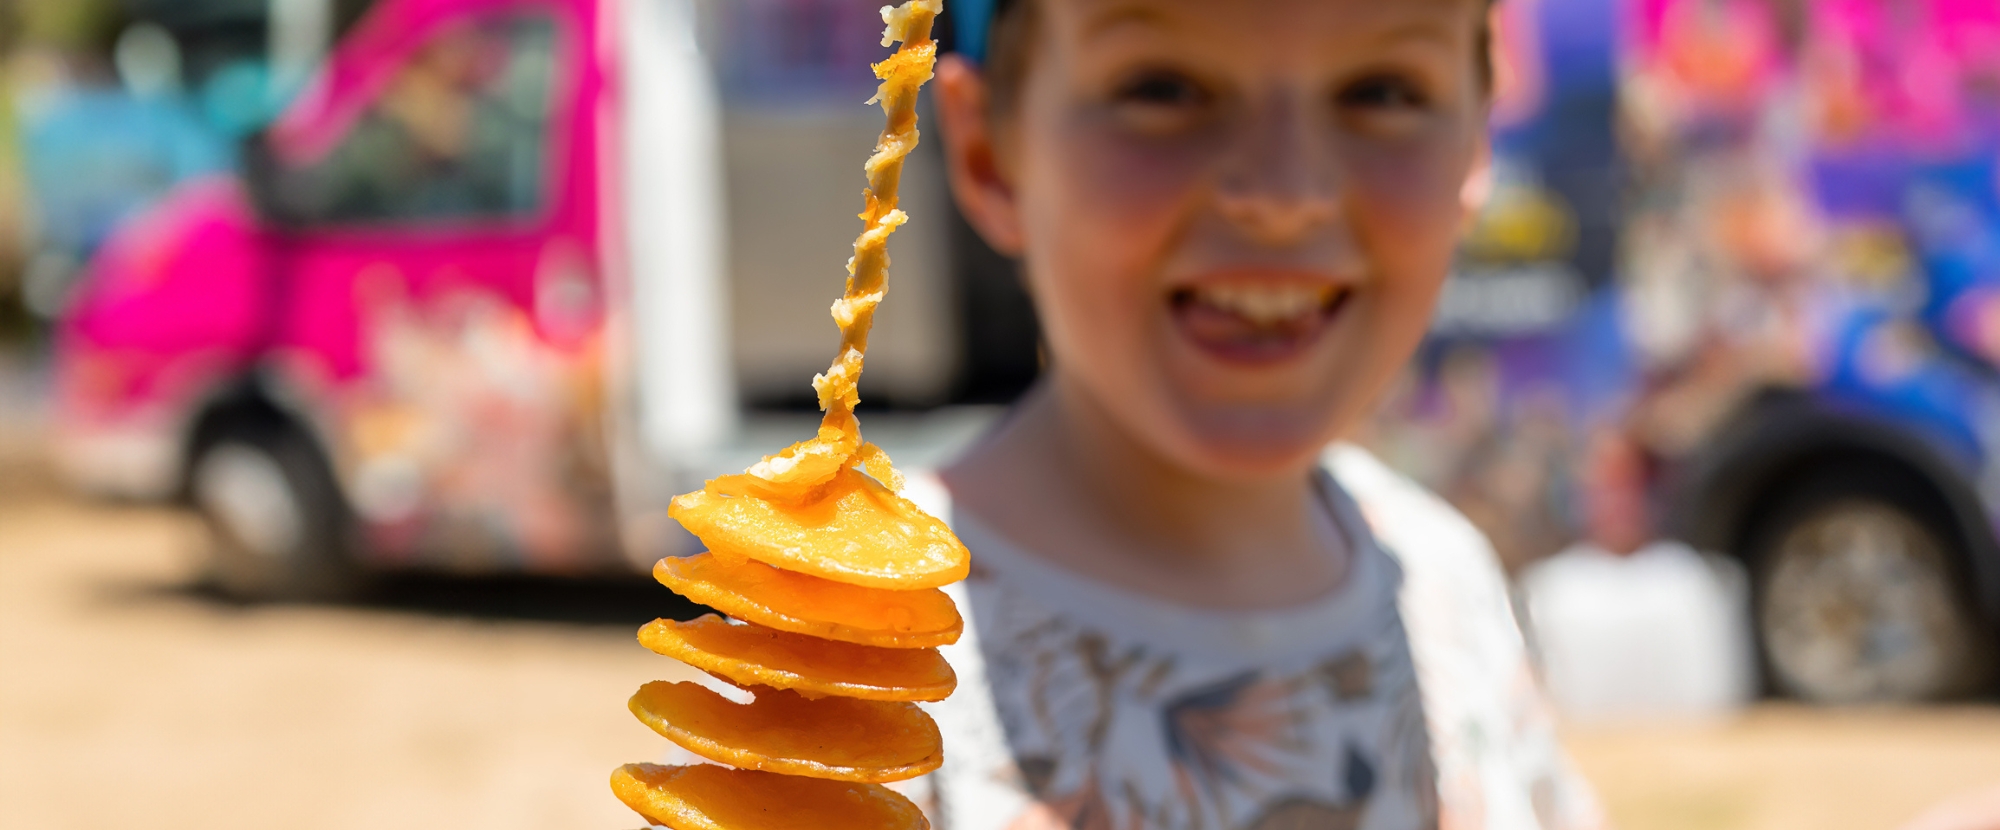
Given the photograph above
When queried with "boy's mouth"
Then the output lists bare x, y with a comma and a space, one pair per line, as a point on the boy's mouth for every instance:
1256, 322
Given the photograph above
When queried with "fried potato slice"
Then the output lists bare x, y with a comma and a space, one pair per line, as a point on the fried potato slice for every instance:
854, 531
752, 655
844, 739
753, 591
719, 798
795, 472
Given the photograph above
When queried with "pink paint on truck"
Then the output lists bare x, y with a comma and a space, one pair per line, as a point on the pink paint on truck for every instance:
393, 341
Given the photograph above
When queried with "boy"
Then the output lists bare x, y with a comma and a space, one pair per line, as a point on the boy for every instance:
1234, 218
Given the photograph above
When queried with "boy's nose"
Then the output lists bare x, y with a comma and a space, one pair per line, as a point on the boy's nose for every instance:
1277, 184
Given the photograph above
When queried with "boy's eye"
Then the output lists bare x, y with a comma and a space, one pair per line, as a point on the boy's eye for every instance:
1159, 100
1384, 105
1382, 92
1160, 89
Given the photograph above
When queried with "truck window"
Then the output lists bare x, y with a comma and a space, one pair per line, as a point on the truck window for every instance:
460, 132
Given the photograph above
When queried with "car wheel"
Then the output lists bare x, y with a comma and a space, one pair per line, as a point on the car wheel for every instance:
279, 529
1859, 597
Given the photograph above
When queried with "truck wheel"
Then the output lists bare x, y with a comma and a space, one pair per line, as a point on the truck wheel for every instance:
1859, 594
279, 528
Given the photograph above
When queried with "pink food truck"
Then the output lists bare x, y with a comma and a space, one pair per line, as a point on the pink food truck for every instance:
466, 307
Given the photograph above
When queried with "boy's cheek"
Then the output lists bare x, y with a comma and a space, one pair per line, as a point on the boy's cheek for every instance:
1418, 188
1122, 177
1091, 323
1409, 210
1428, 170
1100, 248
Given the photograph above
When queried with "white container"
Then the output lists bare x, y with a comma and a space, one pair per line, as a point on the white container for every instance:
1662, 632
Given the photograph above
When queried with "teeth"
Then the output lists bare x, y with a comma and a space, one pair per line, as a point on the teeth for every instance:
1266, 304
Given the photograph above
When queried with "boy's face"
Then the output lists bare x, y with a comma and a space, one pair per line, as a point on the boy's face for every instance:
1235, 216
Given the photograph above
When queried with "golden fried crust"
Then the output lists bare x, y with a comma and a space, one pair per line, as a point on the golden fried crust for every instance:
867, 741
756, 592
718, 798
752, 655
856, 532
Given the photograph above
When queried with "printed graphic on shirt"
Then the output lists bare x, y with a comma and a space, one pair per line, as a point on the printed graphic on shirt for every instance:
1113, 719
1085, 709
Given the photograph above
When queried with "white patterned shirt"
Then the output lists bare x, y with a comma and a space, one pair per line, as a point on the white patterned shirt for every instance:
1401, 701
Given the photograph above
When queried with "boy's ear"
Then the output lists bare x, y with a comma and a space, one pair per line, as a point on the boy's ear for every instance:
1478, 185
979, 184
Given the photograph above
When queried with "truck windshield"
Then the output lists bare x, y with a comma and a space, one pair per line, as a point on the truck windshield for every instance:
460, 132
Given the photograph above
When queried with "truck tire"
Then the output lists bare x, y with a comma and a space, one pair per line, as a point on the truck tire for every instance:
1860, 592
279, 528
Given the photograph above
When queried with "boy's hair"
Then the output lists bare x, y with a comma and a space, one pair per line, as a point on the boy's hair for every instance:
1013, 26
1007, 44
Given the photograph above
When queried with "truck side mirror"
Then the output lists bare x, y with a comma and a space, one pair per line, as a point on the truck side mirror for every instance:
266, 179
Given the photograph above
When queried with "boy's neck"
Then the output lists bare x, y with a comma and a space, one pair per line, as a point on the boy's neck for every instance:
1063, 480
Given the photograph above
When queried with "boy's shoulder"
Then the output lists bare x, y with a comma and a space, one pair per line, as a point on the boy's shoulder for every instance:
1418, 527
1454, 590
1493, 737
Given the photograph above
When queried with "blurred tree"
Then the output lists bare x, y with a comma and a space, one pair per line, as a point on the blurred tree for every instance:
88, 26
13, 314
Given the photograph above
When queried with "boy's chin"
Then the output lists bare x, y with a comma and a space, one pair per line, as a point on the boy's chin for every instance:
1250, 445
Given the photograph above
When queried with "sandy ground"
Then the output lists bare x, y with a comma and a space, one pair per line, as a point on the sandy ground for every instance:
128, 699
1784, 767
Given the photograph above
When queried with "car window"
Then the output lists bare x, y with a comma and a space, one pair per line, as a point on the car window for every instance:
460, 132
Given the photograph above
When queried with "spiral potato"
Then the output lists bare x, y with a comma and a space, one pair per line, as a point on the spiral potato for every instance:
829, 578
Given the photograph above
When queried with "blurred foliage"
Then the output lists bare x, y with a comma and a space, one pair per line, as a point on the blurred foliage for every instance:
80, 30
64, 24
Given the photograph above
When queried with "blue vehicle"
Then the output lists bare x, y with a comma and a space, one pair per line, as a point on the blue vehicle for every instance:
1726, 297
